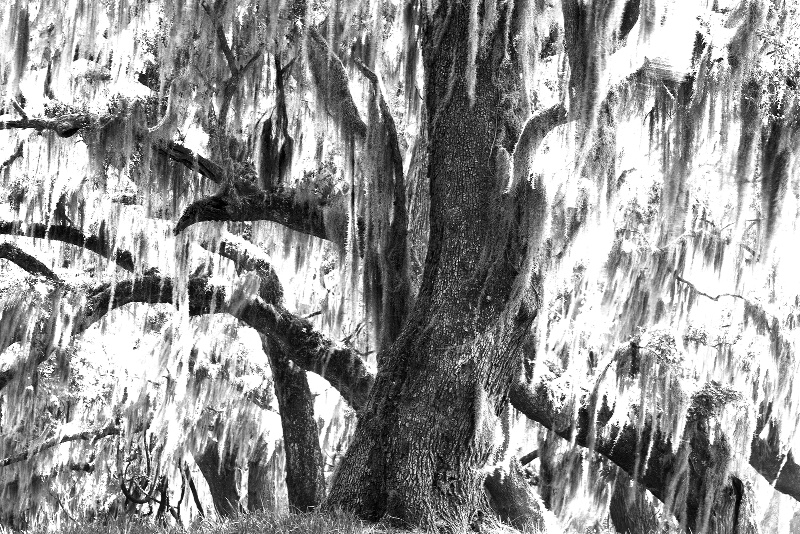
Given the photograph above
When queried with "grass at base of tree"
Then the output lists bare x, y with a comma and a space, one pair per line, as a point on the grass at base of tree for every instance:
250, 523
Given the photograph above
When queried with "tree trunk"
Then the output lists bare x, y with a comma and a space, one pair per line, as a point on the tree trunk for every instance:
220, 474
266, 489
305, 478
428, 427
514, 500
629, 509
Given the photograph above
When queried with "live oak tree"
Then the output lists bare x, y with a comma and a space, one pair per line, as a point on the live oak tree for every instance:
565, 209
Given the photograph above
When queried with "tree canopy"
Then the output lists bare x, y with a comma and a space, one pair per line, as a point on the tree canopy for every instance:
440, 263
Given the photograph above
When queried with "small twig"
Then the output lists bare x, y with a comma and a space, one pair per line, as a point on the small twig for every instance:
13, 157
528, 458
19, 109
679, 278
193, 489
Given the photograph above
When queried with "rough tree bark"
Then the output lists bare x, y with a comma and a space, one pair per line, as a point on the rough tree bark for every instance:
428, 426
220, 474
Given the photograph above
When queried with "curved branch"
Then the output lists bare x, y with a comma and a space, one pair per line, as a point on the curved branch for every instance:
531, 137
99, 244
308, 348
285, 206
12, 253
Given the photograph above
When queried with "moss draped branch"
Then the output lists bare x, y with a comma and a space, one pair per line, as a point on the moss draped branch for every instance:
191, 160
346, 370
93, 435
331, 82
12, 253
313, 216
620, 444
65, 125
99, 244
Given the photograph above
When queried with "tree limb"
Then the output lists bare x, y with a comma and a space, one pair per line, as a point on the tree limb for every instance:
620, 444
330, 79
14, 254
191, 160
110, 429
308, 348
693, 288
312, 216
13, 157
534, 131
65, 125
99, 244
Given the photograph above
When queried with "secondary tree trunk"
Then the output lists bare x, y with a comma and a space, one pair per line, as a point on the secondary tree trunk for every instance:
305, 478
428, 428
220, 474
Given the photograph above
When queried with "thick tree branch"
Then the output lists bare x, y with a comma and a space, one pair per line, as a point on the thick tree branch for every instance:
333, 92
308, 348
99, 244
110, 429
622, 445
191, 160
14, 254
312, 216
531, 137
65, 125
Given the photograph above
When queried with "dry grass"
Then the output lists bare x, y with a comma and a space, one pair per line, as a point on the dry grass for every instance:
257, 523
